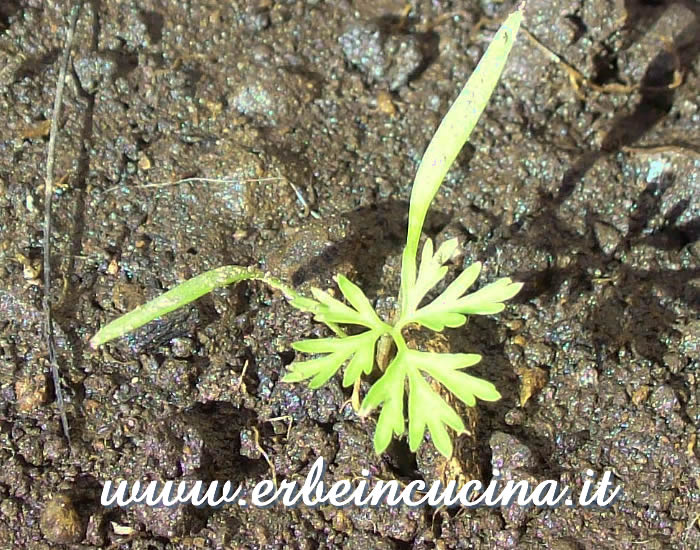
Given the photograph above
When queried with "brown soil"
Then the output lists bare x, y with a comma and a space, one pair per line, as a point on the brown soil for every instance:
587, 192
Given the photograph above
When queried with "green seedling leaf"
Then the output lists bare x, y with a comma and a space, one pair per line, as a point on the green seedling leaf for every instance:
445, 368
438, 320
188, 292
427, 409
305, 304
450, 309
460, 285
319, 370
359, 346
361, 362
448, 140
357, 298
498, 291
331, 310
431, 271
388, 391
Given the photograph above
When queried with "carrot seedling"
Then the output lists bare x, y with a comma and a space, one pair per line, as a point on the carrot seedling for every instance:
404, 379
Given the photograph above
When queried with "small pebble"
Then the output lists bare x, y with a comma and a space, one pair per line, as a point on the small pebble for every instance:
30, 392
607, 236
144, 163
515, 417
640, 395
664, 400
508, 453
60, 522
182, 347
95, 69
381, 57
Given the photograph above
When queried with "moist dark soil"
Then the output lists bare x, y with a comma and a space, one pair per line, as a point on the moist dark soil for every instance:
581, 180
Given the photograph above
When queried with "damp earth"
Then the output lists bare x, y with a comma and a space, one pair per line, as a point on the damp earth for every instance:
581, 180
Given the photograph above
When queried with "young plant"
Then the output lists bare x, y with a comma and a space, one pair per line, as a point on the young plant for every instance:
407, 373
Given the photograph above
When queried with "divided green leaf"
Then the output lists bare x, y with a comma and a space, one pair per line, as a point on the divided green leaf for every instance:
426, 408
450, 308
430, 273
330, 310
388, 391
360, 347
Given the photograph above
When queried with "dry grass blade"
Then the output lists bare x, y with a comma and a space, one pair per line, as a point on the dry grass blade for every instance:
48, 195
577, 79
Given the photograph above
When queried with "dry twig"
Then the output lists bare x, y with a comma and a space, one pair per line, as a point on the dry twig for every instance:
577, 79
48, 195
